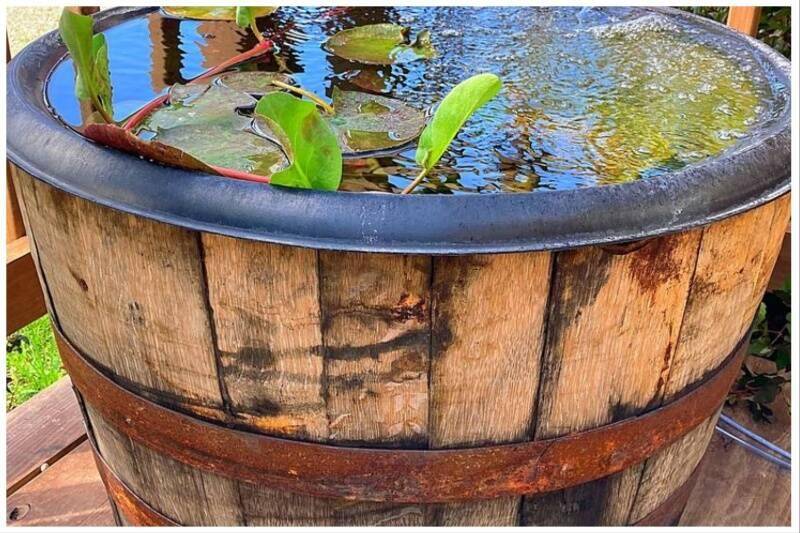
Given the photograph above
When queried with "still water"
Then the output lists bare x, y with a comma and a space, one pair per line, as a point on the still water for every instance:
591, 96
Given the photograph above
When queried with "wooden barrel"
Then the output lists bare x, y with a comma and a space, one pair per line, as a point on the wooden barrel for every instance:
234, 382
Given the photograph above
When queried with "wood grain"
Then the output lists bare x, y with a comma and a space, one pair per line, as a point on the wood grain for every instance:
376, 330
611, 335
40, 432
744, 19
129, 292
265, 304
734, 263
24, 298
488, 319
68, 494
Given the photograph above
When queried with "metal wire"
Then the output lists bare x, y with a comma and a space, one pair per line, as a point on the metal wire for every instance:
755, 436
756, 450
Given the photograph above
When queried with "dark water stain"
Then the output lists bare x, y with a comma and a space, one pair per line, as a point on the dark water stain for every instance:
657, 263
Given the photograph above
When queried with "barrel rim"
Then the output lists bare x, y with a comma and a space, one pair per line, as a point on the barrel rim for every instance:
733, 182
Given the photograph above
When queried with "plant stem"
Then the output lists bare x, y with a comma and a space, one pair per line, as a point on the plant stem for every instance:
99, 108
257, 33
261, 48
417, 181
311, 96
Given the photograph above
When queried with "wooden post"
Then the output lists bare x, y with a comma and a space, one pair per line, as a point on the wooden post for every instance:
745, 19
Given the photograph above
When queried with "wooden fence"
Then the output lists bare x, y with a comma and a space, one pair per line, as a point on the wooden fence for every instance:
24, 299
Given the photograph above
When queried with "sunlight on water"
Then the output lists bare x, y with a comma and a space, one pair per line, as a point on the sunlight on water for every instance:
592, 96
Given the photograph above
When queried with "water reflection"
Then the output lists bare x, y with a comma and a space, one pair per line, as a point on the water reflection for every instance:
592, 95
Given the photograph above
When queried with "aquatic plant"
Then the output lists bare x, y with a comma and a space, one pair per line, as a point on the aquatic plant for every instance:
380, 44
451, 114
89, 54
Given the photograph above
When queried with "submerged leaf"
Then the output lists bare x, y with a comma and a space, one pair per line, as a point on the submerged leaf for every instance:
380, 44
316, 160
367, 122
215, 13
202, 120
454, 110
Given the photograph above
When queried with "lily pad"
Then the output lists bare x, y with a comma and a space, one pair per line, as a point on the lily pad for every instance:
116, 137
213, 13
380, 44
202, 120
254, 83
366, 122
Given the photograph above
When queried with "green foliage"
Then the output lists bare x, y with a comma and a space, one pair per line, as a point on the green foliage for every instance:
310, 143
32, 362
770, 341
245, 16
774, 28
451, 114
380, 44
89, 55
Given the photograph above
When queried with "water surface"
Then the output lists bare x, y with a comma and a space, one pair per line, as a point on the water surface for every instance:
592, 95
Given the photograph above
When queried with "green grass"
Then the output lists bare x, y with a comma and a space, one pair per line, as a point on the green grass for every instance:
32, 362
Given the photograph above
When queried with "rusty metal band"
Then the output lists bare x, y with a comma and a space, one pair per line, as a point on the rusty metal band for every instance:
399, 475
137, 512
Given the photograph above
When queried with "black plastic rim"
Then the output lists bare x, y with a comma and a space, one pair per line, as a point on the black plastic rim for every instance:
737, 180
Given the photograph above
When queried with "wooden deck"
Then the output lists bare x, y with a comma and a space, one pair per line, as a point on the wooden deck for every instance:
52, 479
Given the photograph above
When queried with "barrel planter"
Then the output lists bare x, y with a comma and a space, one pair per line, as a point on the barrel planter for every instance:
252, 355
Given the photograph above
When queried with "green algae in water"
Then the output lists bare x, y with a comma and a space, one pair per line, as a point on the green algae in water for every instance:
591, 96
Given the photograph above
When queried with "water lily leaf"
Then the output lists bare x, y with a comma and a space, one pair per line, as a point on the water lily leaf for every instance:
366, 122
380, 44
202, 120
254, 83
89, 55
453, 111
215, 13
116, 137
316, 160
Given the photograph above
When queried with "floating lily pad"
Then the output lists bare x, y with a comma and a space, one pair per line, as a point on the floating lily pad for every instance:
254, 83
213, 13
366, 122
380, 44
116, 137
202, 120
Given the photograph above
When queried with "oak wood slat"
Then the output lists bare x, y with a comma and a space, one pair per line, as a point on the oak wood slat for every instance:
488, 319
40, 432
70, 493
154, 335
611, 333
734, 262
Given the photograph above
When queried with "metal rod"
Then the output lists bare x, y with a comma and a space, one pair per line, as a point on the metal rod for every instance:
755, 449
755, 436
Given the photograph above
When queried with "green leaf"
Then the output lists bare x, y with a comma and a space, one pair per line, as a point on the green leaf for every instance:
215, 13
380, 44
201, 120
308, 140
76, 32
89, 55
366, 122
102, 81
454, 110
244, 17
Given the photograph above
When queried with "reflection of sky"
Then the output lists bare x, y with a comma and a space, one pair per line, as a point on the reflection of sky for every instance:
544, 128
